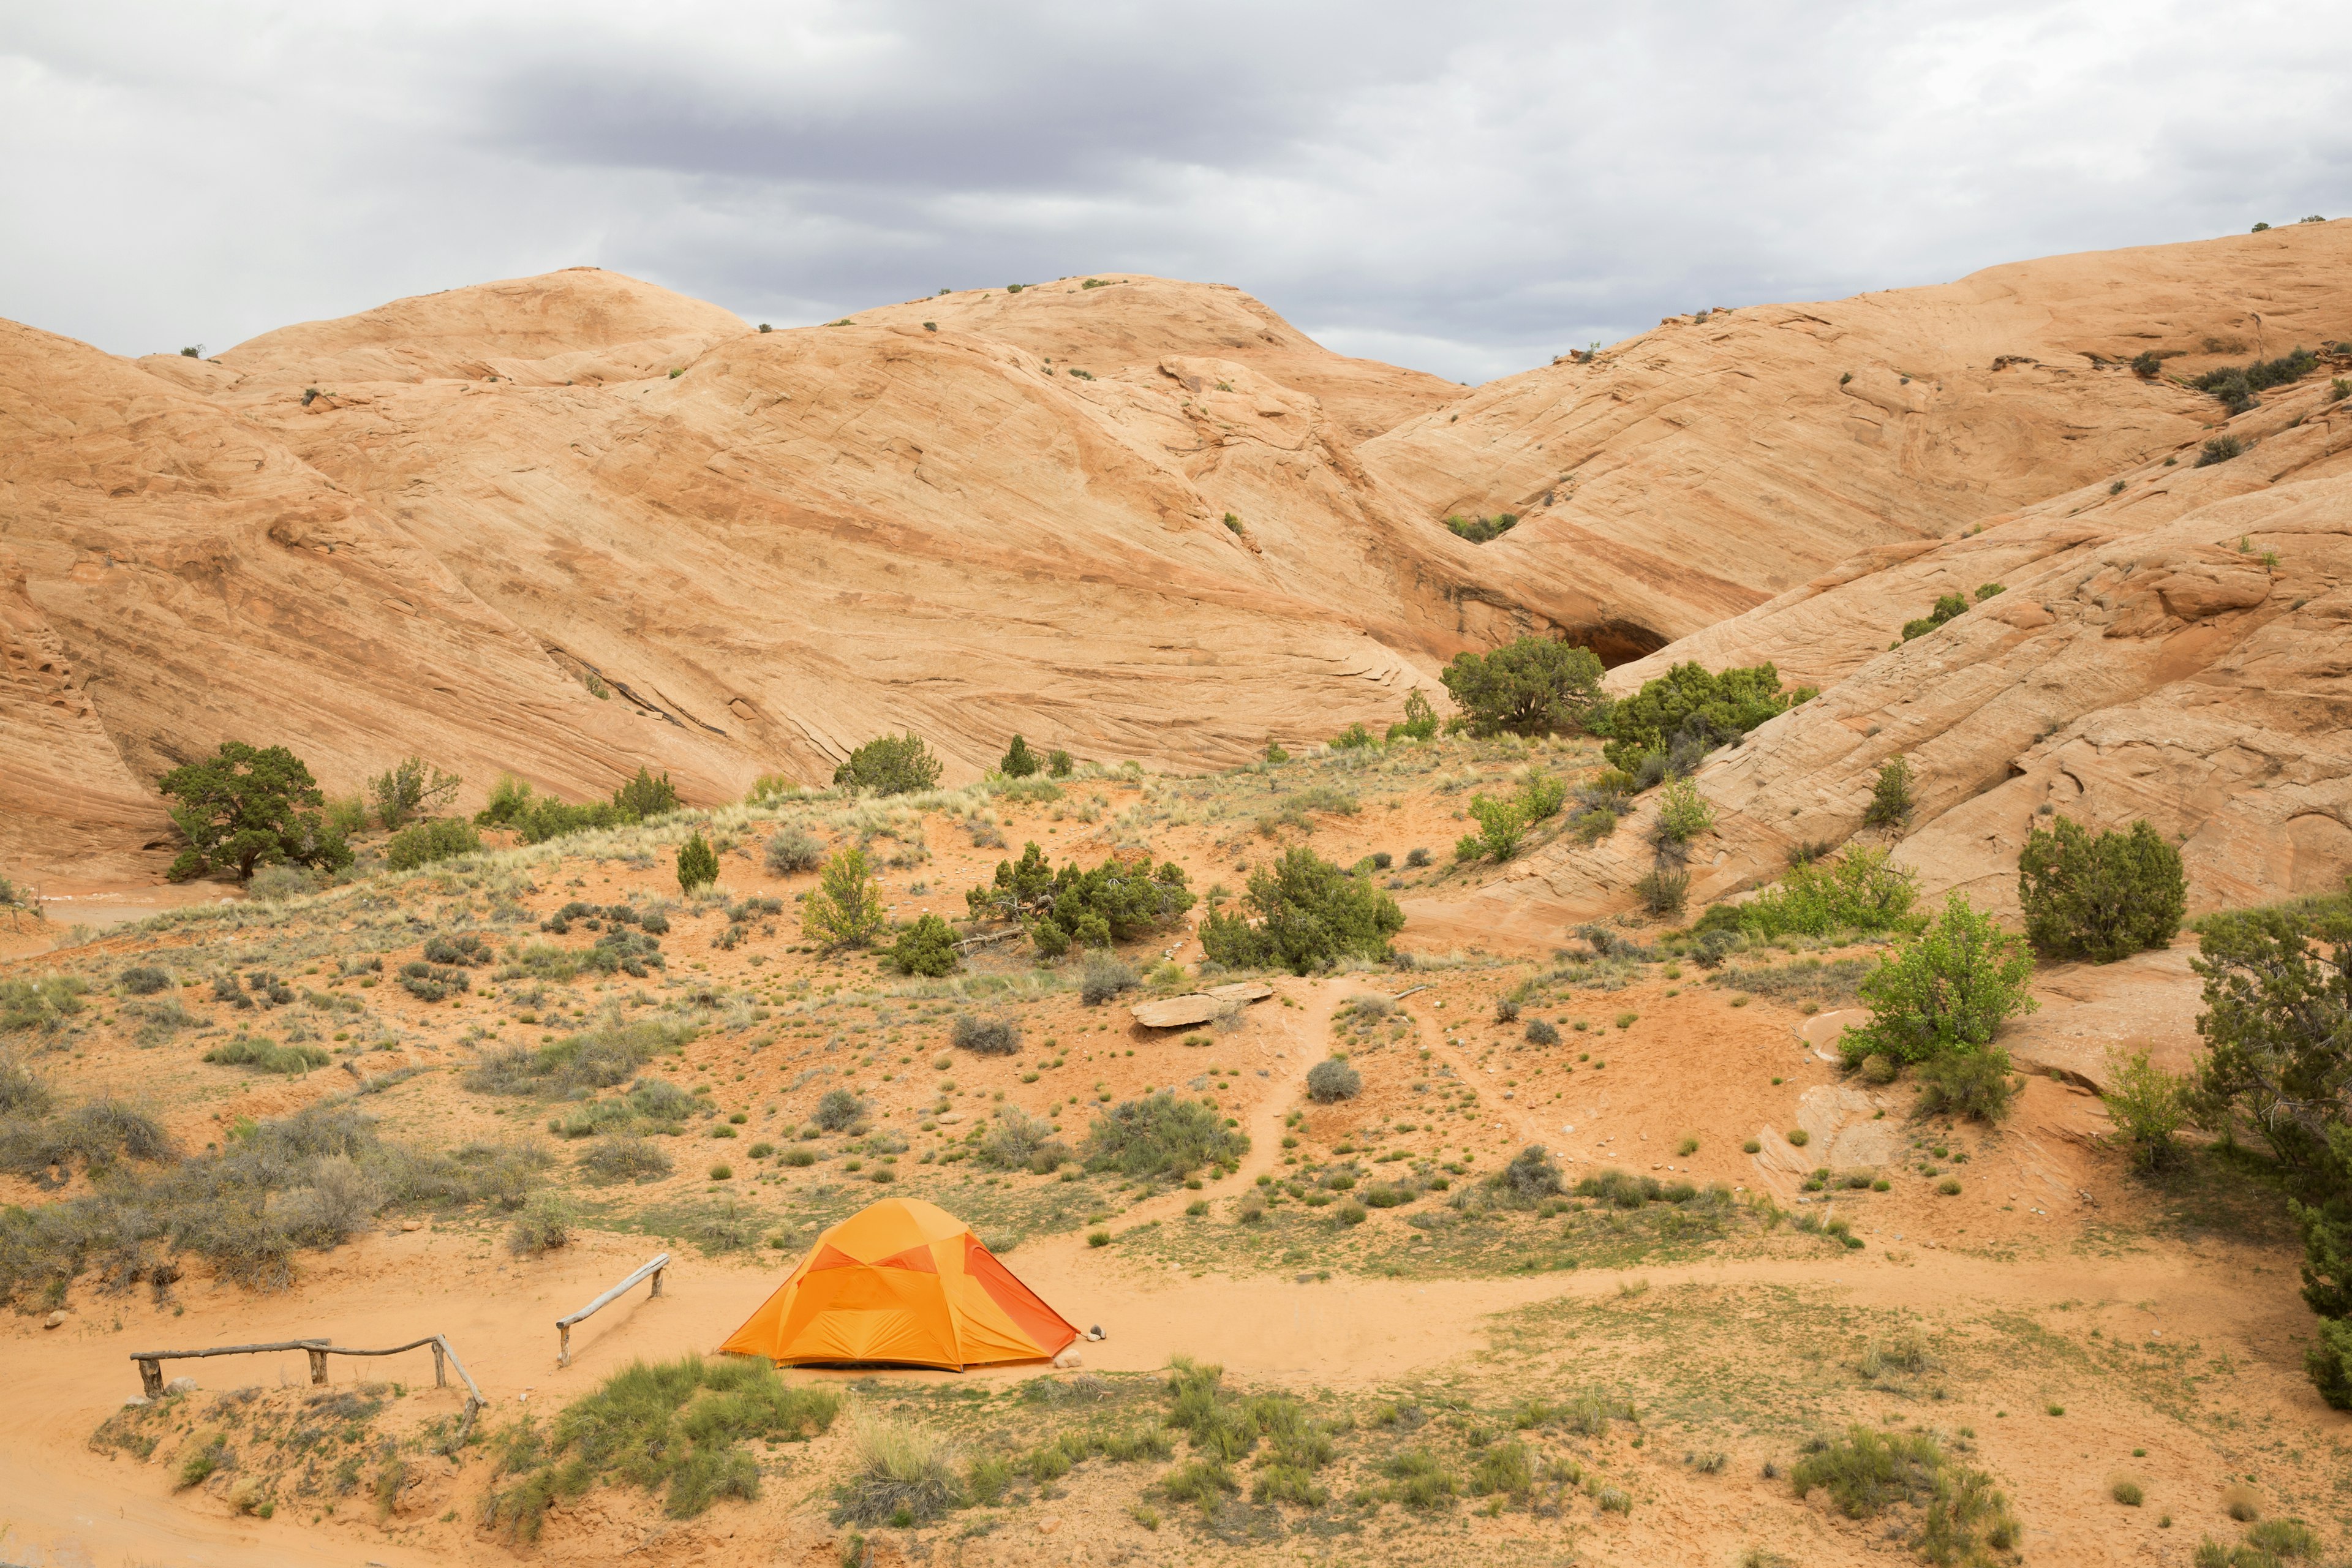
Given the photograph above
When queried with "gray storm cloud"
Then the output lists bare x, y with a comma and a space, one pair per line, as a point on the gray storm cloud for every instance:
1468, 190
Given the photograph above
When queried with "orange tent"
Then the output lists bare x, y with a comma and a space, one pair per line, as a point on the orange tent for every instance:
901, 1280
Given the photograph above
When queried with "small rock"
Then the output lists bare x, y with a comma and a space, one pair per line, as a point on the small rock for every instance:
137, 1402
53, 1320
1050, 1524
180, 1386
1096, 1333
408, 1225
1070, 1358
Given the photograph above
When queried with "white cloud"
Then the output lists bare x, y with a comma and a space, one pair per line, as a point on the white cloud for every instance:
1468, 191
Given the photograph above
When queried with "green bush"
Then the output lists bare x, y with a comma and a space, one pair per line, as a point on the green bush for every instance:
2219, 450
893, 765
1332, 1079
1420, 721
1949, 988
1890, 798
1689, 704
408, 790
1859, 891
645, 797
2235, 386
678, 1430
1973, 1084
1354, 738
423, 843
793, 850
1481, 530
1161, 1136
1948, 606
1120, 900
1683, 813
2278, 1027
2102, 899
1532, 687
268, 1055
845, 909
1019, 761
1309, 915
244, 807
697, 863
2148, 1106
927, 946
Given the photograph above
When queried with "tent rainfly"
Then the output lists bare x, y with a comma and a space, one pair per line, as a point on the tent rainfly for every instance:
901, 1282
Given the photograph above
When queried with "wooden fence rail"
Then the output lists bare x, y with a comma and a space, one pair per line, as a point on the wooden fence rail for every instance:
658, 1263
444, 1355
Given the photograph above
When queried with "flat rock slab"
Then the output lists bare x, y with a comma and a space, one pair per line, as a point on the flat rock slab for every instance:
1198, 1006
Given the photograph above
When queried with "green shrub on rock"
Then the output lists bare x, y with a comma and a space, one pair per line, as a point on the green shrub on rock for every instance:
2102, 899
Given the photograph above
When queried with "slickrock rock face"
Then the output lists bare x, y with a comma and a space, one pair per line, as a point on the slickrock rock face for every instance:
1704, 468
2179, 650
446, 525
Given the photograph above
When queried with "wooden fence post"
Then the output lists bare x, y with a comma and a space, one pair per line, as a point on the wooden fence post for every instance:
440, 1366
658, 1281
318, 1366
151, 1378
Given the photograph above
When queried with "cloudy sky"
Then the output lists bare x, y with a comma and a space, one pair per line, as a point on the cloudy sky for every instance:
1468, 191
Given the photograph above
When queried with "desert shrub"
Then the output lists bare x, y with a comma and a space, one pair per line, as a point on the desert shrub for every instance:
2102, 899
1532, 686
993, 1036
275, 884
893, 765
433, 981
676, 1429
1540, 1033
838, 1110
900, 1474
1418, 1482
141, 980
1867, 1472
697, 863
1354, 738
1332, 1079
43, 1004
627, 951
1532, 1174
845, 909
1310, 914
1481, 530
1974, 1084
926, 946
536, 818
544, 1226
793, 850
267, 1055
2148, 1106
1019, 1141
1118, 901
2146, 365
1505, 1467
1663, 891
623, 1158
598, 1058
95, 1136
1890, 798
245, 807
645, 797
1161, 1136
1948, 606
2235, 386
465, 948
1949, 988
1689, 703
1683, 813
1105, 975
409, 789
1019, 761
2283, 1537
2219, 450
1859, 891
1419, 720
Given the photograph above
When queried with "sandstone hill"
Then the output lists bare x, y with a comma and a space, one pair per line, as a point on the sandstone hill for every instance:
448, 524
